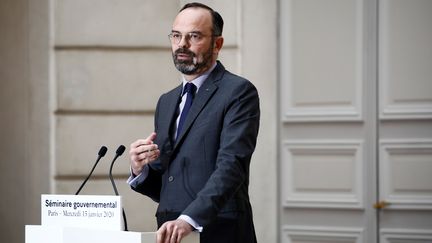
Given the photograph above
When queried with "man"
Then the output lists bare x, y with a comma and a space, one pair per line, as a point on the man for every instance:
196, 163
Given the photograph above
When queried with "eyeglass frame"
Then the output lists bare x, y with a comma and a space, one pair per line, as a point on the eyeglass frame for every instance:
188, 36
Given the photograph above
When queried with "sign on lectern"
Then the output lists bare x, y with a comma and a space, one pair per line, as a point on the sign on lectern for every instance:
86, 211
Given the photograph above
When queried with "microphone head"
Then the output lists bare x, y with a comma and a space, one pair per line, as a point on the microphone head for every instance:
120, 150
102, 151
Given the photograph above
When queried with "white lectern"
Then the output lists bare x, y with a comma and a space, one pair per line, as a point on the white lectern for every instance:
55, 234
86, 219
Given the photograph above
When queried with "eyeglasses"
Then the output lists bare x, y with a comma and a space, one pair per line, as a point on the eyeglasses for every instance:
192, 37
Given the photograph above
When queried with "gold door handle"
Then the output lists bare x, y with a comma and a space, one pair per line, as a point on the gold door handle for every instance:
381, 205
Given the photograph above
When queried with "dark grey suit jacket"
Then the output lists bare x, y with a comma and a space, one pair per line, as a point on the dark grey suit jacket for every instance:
205, 173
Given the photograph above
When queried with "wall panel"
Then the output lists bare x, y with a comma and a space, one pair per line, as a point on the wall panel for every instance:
79, 138
405, 173
322, 174
405, 59
324, 51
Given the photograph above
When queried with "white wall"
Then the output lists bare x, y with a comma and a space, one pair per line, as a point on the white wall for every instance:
24, 101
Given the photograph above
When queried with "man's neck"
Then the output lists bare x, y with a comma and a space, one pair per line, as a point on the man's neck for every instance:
196, 75
191, 77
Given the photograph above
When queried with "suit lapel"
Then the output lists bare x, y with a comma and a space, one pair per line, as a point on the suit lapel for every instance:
166, 115
173, 100
168, 112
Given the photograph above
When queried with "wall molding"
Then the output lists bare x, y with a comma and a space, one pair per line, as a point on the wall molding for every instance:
414, 199
291, 234
322, 197
396, 235
409, 111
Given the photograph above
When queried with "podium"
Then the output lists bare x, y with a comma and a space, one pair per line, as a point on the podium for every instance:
57, 234
86, 219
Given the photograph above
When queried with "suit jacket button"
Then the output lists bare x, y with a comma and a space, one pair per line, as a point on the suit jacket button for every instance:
171, 178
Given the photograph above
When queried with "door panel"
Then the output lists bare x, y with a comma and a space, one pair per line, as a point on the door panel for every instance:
321, 47
328, 125
405, 137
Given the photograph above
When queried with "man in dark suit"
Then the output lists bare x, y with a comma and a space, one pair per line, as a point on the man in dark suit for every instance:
196, 163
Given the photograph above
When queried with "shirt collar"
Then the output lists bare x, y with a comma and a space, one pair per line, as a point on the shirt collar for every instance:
200, 79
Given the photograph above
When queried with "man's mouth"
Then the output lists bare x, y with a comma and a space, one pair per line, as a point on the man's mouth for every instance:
184, 56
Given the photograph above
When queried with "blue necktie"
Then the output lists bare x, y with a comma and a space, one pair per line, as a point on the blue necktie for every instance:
189, 90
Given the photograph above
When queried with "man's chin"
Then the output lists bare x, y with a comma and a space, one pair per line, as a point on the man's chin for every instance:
186, 70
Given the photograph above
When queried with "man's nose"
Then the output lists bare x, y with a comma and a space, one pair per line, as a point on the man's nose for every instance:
184, 42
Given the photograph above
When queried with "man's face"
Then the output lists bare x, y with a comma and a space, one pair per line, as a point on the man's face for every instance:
194, 53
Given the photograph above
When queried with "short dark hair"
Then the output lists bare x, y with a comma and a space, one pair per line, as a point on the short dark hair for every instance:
216, 17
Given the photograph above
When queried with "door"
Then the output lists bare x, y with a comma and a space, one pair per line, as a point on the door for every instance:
405, 125
355, 131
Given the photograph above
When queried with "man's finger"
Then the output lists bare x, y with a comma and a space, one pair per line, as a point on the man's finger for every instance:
168, 232
151, 137
177, 237
144, 148
160, 234
146, 141
173, 238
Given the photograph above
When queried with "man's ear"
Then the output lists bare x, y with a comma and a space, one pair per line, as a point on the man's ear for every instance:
218, 44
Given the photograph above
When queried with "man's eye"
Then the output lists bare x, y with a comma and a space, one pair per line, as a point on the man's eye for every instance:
176, 36
195, 36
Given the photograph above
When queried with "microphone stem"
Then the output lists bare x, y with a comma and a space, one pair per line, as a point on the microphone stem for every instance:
116, 191
88, 177
124, 220
111, 177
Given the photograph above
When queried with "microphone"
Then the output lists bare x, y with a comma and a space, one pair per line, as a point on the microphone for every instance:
102, 152
119, 152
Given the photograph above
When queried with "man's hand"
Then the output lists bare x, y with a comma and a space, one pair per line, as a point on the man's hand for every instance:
142, 152
173, 231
